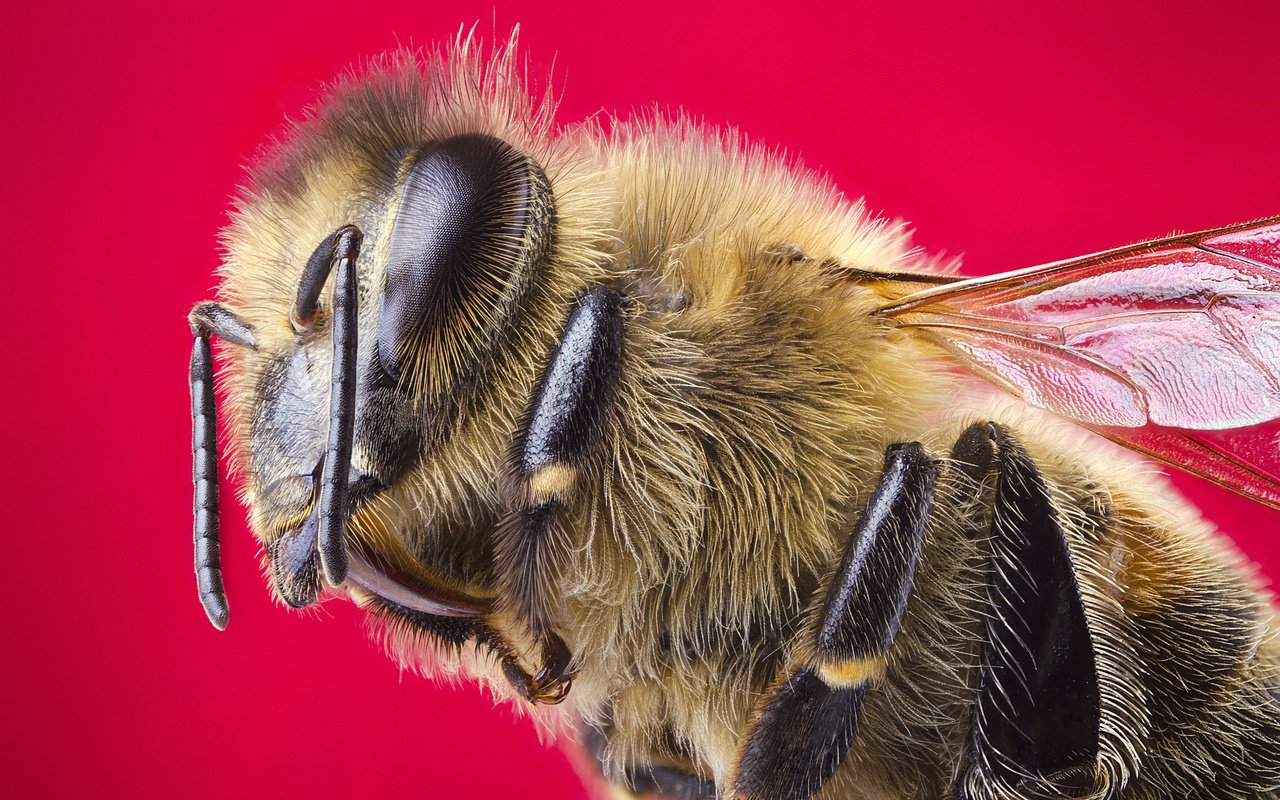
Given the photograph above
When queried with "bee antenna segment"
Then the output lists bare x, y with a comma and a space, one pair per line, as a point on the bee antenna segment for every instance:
204, 454
208, 319
314, 276
342, 407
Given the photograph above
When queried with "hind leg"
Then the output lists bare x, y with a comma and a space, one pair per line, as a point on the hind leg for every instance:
810, 716
1036, 705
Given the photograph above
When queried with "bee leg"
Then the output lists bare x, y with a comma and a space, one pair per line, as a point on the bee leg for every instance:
670, 783
560, 433
810, 717
456, 632
551, 684
1036, 716
673, 780
208, 319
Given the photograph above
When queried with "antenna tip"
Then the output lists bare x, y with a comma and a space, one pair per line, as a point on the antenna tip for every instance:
216, 607
333, 561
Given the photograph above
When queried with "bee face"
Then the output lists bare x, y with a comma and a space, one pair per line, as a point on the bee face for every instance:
467, 225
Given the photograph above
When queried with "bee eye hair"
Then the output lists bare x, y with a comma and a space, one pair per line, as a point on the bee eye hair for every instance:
472, 217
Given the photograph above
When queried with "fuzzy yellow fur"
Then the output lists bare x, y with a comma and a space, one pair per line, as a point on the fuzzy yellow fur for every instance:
756, 399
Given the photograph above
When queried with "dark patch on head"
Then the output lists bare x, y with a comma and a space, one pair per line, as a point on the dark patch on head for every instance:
389, 434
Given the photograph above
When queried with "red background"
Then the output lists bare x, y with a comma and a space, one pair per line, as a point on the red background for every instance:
1012, 136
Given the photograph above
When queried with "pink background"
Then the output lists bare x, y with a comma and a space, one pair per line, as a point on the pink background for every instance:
1010, 135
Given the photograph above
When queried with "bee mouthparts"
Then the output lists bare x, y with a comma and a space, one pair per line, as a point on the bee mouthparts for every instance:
380, 580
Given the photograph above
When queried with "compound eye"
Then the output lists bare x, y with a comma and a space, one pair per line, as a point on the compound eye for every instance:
474, 216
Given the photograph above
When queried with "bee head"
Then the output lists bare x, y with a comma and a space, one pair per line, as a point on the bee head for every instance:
397, 268
393, 319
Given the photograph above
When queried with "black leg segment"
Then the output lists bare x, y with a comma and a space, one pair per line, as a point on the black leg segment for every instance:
560, 434
868, 597
810, 718
799, 738
215, 319
577, 388
207, 319
1037, 712
670, 783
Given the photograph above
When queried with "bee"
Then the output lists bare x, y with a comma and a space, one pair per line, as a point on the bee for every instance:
636, 415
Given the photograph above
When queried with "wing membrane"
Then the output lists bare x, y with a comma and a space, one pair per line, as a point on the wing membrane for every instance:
1246, 460
1170, 347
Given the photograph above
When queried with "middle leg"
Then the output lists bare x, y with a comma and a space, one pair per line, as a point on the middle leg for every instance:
1035, 718
560, 435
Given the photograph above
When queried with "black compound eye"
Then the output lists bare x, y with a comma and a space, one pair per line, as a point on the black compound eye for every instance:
474, 216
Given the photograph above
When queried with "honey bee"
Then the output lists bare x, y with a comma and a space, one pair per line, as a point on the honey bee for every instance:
634, 414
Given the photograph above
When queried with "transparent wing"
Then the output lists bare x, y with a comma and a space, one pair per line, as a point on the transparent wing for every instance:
1246, 460
1171, 347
